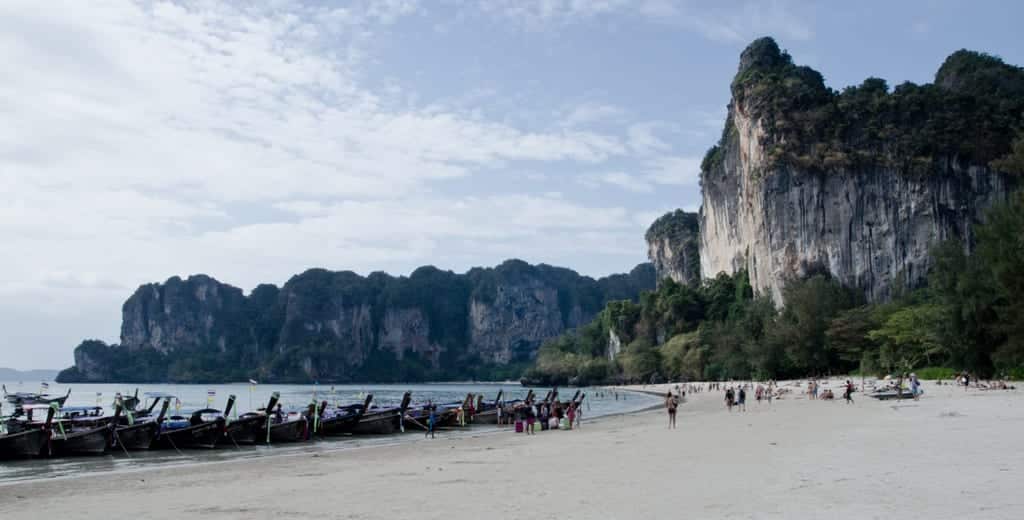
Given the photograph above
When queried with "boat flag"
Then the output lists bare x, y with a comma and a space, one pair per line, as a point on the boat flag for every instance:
210, 394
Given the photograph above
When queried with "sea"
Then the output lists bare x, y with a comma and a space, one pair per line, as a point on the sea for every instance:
598, 402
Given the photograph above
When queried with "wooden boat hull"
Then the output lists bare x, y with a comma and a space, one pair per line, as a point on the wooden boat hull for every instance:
27, 443
290, 431
246, 430
486, 417
95, 441
205, 435
337, 425
379, 423
138, 436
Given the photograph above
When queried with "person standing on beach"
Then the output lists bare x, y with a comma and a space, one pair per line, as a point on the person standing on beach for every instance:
729, 398
848, 394
431, 419
671, 404
571, 414
742, 399
531, 419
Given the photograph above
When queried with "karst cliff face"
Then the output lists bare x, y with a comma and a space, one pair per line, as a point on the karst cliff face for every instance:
673, 247
807, 180
338, 326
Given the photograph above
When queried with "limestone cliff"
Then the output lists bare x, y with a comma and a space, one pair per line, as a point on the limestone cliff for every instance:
859, 183
338, 326
673, 247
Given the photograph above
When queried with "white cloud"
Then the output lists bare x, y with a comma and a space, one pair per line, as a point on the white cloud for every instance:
145, 140
643, 141
617, 180
590, 112
728, 22
675, 171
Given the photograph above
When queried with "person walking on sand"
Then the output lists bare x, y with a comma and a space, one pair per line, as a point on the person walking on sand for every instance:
742, 402
848, 394
729, 398
671, 404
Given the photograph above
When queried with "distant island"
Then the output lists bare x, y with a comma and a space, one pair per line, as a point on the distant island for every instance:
332, 326
10, 374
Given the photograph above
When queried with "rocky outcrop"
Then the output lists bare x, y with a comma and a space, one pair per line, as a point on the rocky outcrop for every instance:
673, 247
855, 184
338, 326
183, 314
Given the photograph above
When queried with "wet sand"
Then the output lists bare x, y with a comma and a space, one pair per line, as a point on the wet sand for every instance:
950, 455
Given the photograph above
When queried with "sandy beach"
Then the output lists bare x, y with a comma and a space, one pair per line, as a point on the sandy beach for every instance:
953, 454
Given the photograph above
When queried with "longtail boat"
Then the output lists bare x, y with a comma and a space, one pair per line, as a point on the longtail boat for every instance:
246, 429
283, 427
342, 419
488, 413
26, 439
28, 398
377, 421
138, 433
83, 431
200, 429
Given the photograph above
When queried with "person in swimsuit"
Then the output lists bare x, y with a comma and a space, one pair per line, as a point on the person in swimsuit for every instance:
671, 404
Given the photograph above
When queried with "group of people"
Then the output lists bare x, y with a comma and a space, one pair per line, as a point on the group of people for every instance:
550, 416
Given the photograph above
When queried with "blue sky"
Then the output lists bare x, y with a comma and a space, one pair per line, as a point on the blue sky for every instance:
149, 139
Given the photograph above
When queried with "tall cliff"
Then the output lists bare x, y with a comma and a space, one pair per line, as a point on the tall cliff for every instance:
859, 183
673, 247
339, 326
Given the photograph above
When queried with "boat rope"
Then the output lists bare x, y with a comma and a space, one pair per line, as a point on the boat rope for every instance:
232, 437
175, 446
119, 443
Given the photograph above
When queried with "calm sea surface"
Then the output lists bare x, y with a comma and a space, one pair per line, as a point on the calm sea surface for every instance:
598, 402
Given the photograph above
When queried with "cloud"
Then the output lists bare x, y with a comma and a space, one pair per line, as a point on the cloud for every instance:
151, 139
617, 180
642, 140
726, 22
674, 171
591, 112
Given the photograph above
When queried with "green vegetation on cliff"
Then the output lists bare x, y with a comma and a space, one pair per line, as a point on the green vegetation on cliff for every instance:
969, 317
970, 114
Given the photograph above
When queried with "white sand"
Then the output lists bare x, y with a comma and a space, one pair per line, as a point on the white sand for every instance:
950, 455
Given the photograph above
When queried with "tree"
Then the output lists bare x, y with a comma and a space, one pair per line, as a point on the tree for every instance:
1012, 162
1001, 253
810, 305
909, 338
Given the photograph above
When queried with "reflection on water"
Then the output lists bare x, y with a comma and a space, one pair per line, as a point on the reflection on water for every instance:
597, 403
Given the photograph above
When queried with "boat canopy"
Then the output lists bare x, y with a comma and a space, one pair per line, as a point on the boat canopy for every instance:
66, 409
158, 395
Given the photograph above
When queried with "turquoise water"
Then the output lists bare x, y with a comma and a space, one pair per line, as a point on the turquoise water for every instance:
597, 403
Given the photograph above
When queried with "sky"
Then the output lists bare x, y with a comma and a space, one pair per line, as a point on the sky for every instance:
146, 139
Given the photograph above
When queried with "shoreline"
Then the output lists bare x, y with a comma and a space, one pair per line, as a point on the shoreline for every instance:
944, 456
318, 447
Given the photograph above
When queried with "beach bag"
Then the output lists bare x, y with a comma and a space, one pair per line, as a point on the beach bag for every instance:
519, 426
